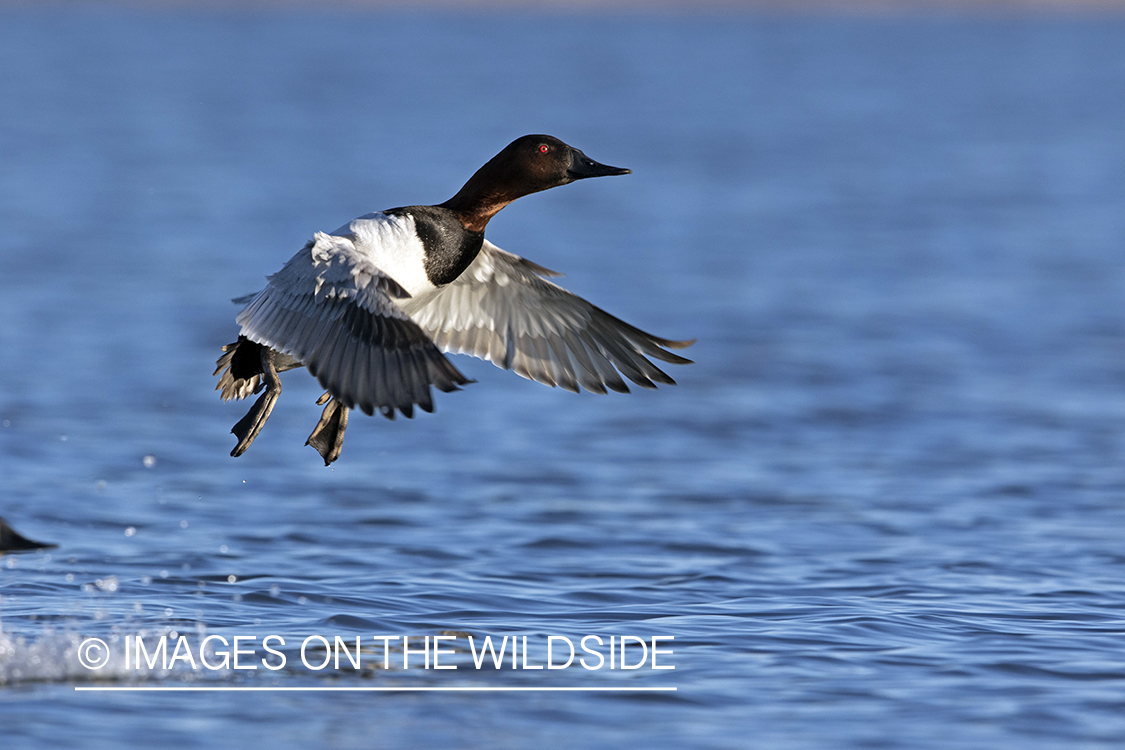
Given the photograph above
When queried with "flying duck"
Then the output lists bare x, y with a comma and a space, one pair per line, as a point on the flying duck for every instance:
370, 308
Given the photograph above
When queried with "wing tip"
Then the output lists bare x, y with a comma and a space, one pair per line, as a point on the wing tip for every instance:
673, 344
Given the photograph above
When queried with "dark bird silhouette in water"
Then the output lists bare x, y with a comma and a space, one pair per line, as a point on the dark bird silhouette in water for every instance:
11, 541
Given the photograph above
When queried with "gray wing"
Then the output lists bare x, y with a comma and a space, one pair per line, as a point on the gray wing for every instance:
334, 311
501, 309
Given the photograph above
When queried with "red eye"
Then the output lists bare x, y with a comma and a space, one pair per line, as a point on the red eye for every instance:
544, 148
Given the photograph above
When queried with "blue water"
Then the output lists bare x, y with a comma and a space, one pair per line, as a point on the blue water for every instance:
884, 509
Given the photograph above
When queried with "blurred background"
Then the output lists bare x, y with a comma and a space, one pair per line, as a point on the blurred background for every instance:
883, 509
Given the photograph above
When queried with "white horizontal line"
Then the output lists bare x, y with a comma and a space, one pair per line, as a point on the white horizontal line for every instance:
403, 689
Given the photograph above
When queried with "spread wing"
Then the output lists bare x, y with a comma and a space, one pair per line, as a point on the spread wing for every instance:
502, 310
334, 311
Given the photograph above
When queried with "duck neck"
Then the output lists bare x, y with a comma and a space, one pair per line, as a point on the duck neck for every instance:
475, 210
486, 192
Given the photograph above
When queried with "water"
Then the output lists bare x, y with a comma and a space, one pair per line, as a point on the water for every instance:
884, 509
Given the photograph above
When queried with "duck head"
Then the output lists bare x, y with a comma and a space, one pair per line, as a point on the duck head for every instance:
526, 165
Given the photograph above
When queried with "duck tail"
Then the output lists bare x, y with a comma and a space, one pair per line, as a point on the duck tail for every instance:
241, 368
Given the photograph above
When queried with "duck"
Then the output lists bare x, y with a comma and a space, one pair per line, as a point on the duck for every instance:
373, 308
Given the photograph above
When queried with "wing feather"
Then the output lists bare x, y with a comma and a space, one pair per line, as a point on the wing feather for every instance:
501, 309
565, 371
332, 310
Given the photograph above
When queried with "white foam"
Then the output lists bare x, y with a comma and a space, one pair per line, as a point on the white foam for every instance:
55, 657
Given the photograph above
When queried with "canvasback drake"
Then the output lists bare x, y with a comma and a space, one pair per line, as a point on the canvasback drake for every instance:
370, 308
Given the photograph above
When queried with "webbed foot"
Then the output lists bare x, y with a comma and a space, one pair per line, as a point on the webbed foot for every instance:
328, 435
249, 426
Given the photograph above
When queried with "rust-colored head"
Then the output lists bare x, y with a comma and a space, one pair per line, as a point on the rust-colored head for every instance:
526, 165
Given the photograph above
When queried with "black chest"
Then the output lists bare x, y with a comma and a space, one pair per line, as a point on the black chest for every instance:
448, 246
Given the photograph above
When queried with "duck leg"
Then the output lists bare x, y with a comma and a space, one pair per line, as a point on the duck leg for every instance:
249, 426
328, 435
